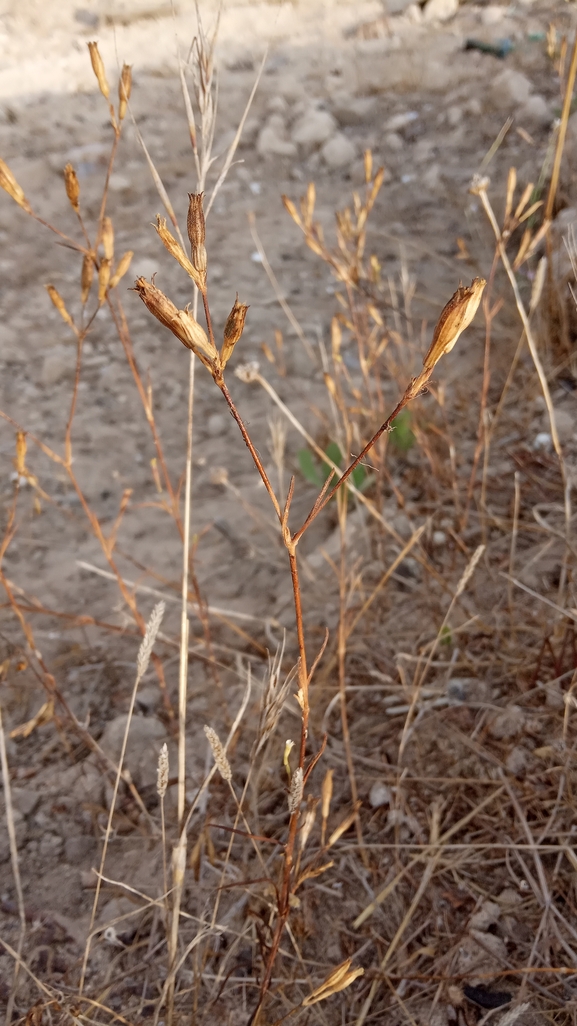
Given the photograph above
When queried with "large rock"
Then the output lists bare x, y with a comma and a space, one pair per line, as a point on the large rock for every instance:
510, 89
313, 129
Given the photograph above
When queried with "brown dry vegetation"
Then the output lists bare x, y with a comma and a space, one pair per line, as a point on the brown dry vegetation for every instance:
412, 853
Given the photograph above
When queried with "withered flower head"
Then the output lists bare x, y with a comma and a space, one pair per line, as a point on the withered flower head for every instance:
196, 232
10, 185
180, 322
233, 329
124, 88
98, 69
72, 186
176, 250
455, 317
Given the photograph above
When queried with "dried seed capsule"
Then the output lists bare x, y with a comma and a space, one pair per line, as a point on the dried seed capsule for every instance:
86, 276
59, 304
180, 322
197, 233
98, 69
10, 185
455, 317
176, 250
108, 238
124, 88
72, 186
103, 279
233, 330
121, 269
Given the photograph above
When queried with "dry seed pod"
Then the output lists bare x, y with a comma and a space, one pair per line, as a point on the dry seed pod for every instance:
98, 69
122, 268
124, 88
180, 322
455, 317
60, 305
176, 250
338, 980
103, 279
197, 233
108, 238
296, 791
72, 186
233, 330
10, 185
86, 276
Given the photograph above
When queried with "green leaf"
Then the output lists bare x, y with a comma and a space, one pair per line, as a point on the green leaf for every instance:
334, 453
309, 468
402, 437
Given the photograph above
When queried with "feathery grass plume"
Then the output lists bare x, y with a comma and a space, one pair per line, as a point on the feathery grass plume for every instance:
197, 233
124, 89
296, 790
176, 251
86, 277
103, 278
108, 238
72, 186
162, 771
98, 69
455, 317
274, 697
123, 265
10, 185
233, 329
180, 322
219, 754
338, 980
147, 644
60, 305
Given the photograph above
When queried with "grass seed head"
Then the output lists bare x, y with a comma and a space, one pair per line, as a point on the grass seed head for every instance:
233, 329
180, 322
124, 88
162, 771
147, 644
197, 233
98, 69
219, 754
10, 185
455, 317
72, 186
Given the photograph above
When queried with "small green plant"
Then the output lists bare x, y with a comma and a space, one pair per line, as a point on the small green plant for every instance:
317, 473
402, 437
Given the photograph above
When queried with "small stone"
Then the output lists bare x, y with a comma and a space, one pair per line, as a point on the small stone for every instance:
441, 10
439, 538
510, 89
393, 142
338, 152
507, 724
353, 110
536, 112
467, 690
516, 762
485, 917
401, 120
313, 129
543, 442
216, 425
379, 795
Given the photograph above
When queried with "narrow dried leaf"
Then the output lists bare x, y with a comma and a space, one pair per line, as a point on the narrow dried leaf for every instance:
60, 305
108, 238
20, 461
455, 317
524, 201
338, 980
176, 251
124, 89
344, 826
368, 158
86, 276
44, 715
327, 793
511, 186
122, 268
292, 210
10, 185
98, 69
103, 279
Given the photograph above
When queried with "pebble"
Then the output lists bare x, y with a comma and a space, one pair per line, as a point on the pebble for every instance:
400, 120
379, 795
353, 110
543, 442
440, 10
510, 89
536, 111
439, 538
272, 141
313, 129
338, 152
507, 724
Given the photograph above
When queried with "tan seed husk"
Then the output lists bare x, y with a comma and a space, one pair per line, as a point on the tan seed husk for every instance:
103, 279
196, 233
108, 238
233, 329
60, 305
296, 791
176, 250
124, 88
180, 322
86, 277
10, 185
338, 980
72, 186
122, 268
98, 69
455, 317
